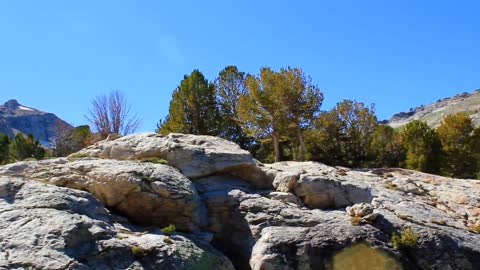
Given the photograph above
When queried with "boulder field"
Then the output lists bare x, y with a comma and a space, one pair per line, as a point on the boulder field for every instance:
109, 207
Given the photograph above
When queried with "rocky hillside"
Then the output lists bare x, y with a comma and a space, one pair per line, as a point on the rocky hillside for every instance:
15, 118
104, 207
434, 113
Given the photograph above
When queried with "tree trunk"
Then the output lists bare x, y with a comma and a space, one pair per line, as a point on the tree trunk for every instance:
276, 146
302, 145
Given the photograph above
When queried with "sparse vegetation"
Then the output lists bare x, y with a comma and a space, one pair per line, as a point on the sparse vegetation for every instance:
392, 186
356, 221
138, 251
168, 240
475, 228
78, 155
169, 229
406, 239
155, 160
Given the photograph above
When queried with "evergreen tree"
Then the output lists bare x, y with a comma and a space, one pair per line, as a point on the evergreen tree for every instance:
422, 147
302, 101
193, 108
386, 148
260, 108
4, 148
230, 85
344, 134
279, 105
458, 156
23, 147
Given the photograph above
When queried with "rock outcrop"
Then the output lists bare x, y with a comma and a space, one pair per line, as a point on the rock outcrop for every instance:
15, 118
287, 215
48, 227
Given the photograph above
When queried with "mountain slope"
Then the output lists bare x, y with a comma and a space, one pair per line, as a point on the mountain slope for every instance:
434, 113
15, 118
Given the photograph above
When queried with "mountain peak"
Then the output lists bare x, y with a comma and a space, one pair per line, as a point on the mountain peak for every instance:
12, 104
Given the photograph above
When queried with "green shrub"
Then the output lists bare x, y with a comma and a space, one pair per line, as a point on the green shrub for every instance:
169, 229
392, 186
78, 155
155, 160
406, 238
138, 251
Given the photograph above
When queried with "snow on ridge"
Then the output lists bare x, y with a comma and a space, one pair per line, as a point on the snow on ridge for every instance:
25, 108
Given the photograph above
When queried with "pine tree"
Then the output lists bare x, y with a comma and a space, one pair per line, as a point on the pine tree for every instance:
302, 101
193, 108
458, 156
23, 147
386, 148
230, 85
422, 147
344, 134
4, 148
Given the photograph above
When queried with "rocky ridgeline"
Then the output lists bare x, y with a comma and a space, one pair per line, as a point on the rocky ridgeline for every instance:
103, 207
15, 118
434, 113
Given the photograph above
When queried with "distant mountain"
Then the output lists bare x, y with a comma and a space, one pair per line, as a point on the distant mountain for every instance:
433, 113
15, 118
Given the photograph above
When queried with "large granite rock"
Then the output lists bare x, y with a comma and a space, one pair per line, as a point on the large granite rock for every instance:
48, 227
194, 155
287, 215
15, 118
146, 193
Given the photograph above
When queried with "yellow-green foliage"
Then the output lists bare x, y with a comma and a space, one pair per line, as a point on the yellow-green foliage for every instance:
169, 229
475, 228
154, 160
356, 221
138, 251
78, 155
168, 240
406, 238
392, 186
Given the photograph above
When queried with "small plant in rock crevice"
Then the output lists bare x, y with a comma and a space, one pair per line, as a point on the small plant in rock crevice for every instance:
406, 239
155, 160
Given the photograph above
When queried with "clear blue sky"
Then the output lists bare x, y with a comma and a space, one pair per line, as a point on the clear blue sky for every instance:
58, 55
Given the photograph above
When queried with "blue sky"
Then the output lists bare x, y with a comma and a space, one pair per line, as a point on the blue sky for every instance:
58, 55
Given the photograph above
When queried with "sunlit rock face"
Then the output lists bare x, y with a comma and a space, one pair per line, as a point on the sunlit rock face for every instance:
362, 257
230, 211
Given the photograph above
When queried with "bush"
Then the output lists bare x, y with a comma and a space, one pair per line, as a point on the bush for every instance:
138, 251
155, 160
169, 229
406, 238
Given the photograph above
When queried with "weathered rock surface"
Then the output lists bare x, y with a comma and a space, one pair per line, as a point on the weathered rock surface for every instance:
194, 155
287, 215
147, 193
48, 227
15, 118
